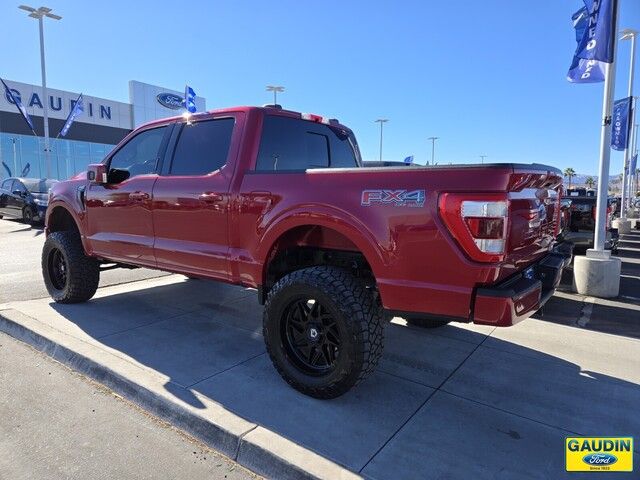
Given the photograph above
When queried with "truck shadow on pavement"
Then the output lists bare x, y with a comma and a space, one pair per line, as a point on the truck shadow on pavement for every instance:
20, 226
517, 391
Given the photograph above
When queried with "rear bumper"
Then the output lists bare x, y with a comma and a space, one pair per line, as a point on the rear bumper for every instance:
521, 296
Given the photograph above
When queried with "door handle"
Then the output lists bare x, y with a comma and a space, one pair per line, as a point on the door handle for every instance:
211, 197
138, 196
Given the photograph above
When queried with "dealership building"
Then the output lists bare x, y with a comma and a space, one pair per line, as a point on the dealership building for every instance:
93, 134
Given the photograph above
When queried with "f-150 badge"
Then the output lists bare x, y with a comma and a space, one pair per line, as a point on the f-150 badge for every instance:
396, 198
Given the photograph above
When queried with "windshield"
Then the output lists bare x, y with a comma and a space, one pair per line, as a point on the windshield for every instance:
38, 185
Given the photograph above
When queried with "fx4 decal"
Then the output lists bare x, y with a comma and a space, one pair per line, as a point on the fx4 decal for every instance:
396, 198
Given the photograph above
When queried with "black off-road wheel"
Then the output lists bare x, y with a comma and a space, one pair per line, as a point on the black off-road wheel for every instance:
323, 331
426, 322
27, 215
69, 275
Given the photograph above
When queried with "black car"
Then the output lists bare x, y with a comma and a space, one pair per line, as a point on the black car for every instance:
25, 198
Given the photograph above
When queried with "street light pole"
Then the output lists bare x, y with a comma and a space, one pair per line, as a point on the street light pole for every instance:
633, 176
628, 34
275, 89
39, 14
433, 149
482, 157
381, 121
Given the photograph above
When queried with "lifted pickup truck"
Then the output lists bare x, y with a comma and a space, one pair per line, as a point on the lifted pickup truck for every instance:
279, 201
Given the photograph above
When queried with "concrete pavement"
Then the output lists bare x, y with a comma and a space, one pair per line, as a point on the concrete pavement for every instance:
461, 401
55, 424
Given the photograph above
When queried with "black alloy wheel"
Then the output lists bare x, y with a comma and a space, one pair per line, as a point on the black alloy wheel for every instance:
27, 215
57, 267
311, 336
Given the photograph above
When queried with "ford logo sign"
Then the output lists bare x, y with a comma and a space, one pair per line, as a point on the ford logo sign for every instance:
599, 459
170, 100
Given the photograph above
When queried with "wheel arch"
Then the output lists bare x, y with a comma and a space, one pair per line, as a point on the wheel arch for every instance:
340, 239
60, 218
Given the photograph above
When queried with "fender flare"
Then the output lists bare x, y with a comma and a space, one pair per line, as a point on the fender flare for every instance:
353, 229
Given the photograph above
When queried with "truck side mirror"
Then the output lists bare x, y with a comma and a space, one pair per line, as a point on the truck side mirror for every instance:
97, 174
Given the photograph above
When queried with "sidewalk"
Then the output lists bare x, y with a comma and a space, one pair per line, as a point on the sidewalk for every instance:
461, 401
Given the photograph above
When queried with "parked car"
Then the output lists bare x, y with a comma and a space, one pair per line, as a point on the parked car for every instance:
25, 198
582, 223
279, 201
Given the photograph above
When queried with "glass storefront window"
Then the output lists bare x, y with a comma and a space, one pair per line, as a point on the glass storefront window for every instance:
67, 157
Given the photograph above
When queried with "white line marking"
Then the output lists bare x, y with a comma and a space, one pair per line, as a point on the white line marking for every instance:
587, 310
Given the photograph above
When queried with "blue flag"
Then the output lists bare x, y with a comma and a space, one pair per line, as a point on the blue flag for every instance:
586, 71
16, 101
189, 99
620, 124
409, 160
6, 167
78, 109
595, 38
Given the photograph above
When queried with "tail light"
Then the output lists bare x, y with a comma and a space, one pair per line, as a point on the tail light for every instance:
478, 223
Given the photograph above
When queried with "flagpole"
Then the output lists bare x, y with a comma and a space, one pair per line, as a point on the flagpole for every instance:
627, 151
605, 148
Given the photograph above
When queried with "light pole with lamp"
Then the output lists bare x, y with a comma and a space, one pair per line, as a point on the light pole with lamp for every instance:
433, 149
39, 14
381, 121
482, 157
275, 89
623, 225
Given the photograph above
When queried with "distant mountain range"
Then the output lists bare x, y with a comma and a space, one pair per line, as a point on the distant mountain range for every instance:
580, 180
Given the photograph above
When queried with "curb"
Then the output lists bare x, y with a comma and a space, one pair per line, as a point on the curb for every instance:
252, 446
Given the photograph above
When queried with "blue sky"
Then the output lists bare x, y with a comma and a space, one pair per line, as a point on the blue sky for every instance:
487, 77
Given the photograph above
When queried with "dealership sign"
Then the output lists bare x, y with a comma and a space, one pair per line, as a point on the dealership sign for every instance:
170, 100
56, 104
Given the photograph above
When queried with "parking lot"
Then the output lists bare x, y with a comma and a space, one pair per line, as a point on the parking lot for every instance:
461, 401
20, 275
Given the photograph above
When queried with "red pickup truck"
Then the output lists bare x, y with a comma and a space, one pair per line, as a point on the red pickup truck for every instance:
279, 201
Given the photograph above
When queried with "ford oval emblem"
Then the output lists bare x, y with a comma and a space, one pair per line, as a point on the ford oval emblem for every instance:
599, 459
170, 100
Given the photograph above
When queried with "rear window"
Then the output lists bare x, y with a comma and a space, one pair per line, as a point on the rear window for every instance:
294, 144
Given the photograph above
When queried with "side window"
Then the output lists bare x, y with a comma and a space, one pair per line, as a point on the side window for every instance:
6, 185
294, 144
17, 185
139, 155
202, 147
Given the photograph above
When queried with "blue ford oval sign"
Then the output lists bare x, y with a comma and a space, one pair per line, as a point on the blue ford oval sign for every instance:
170, 100
599, 459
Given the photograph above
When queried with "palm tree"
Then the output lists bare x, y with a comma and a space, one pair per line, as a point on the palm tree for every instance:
569, 173
590, 182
